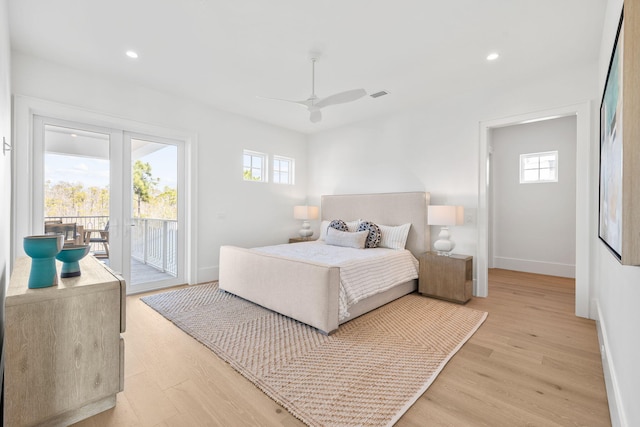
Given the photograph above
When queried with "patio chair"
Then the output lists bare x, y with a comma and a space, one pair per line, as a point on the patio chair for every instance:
103, 239
68, 229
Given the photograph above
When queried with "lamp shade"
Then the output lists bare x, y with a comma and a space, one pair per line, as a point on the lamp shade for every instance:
305, 212
445, 215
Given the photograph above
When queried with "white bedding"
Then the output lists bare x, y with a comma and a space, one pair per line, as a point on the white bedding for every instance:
363, 272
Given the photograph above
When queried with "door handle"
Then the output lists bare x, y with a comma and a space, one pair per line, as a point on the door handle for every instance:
6, 147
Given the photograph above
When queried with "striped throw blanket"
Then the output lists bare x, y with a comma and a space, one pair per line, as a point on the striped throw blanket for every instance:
363, 272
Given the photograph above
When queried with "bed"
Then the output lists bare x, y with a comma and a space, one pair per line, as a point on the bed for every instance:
309, 291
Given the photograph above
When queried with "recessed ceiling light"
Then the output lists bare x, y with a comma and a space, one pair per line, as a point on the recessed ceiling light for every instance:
492, 56
73, 135
132, 54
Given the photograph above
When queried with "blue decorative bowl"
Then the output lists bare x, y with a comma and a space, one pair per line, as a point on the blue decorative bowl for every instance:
70, 255
42, 250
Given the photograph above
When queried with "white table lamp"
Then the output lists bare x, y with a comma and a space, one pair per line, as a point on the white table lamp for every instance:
305, 213
444, 216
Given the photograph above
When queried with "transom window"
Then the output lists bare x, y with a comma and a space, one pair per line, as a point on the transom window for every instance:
282, 170
254, 166
539, 167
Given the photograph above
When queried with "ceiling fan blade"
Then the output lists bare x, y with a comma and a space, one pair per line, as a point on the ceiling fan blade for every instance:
305, 103
341, 98
315, 115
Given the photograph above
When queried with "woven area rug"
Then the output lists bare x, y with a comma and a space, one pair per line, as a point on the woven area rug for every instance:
368, 373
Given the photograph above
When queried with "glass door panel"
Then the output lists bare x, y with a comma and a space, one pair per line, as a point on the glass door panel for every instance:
155, 243
77, 186
78, 182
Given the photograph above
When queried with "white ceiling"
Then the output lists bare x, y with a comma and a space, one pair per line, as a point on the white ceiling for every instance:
226, 52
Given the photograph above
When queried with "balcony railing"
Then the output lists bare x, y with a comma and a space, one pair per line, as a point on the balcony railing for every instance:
96, 221
153, 241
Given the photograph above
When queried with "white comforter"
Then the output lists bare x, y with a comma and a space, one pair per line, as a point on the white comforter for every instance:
363, 272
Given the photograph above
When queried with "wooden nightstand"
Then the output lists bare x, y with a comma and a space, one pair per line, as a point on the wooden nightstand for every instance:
446, 277
300, 239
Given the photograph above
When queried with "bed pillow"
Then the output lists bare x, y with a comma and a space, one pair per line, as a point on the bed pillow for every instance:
339, 224
394, 237
344, 238
373, 239
323, 229
352, 226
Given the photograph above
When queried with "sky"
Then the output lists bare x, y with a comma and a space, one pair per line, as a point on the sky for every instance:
164, 165
92, 172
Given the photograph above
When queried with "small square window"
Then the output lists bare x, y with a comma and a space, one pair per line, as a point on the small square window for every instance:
283, 168
539, 167
254, 166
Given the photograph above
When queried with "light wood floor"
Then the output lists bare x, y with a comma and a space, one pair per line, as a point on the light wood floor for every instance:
531, 363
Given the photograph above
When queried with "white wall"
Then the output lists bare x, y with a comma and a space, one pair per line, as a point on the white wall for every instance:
534, 224
5, 167
616, 287
434, 147
228, 210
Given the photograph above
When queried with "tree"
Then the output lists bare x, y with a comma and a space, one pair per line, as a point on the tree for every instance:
143, 183
78, 196
162, 204
247, 175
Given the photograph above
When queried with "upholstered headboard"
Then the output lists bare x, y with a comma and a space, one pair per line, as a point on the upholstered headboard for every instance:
386, 209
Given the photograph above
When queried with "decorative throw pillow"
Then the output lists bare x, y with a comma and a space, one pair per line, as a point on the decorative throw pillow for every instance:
344, 238
339, 224
374, 233
394, 237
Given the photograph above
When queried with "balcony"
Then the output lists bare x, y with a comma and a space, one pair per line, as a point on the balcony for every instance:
154, 245
154, 242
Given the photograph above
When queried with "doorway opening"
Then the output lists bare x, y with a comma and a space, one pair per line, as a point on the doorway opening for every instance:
532, 193
583, 204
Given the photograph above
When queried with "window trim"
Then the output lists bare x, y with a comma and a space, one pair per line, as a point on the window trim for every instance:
291, 173
525, 156
264, 166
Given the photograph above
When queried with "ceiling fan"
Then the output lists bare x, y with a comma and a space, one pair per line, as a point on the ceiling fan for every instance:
314, 103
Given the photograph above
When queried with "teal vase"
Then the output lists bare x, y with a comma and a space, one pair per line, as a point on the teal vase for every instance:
70, 257
43, 250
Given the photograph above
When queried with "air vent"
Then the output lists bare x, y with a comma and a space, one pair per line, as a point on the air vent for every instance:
379, 94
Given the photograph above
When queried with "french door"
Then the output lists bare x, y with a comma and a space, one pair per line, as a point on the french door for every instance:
121, 191
155, 216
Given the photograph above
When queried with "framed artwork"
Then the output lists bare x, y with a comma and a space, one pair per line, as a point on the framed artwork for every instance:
610, 226
619, 201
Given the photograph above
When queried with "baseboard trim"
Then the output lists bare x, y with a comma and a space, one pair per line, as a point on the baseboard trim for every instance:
616, 409
540, 267
208, 274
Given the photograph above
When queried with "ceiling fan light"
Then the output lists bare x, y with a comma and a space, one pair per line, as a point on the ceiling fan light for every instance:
315, 115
